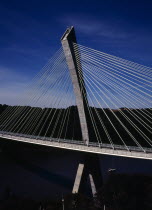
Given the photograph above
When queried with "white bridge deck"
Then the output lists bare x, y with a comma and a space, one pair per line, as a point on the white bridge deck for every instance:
105, 149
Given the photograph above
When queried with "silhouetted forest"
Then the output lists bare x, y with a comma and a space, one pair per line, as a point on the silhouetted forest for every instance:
120, 192
3, 107
39, 124
126, 192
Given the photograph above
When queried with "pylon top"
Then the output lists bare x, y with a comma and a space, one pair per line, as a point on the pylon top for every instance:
69, 34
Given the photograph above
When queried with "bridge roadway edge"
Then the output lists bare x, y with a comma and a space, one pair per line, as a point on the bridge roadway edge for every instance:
80, 148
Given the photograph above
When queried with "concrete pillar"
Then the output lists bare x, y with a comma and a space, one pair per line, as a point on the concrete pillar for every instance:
93, 187
89, 168
77, 79
78, 178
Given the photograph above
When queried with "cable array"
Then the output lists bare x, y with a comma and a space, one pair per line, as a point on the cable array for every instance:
47, 107
119, 98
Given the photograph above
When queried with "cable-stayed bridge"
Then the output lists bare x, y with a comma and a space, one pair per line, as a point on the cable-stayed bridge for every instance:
85, 100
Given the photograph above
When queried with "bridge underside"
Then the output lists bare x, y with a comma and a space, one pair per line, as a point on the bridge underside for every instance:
104, 149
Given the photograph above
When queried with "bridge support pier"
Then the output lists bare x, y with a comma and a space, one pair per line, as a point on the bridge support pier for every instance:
88, 169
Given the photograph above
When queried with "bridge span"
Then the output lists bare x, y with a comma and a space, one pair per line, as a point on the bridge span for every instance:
92, 147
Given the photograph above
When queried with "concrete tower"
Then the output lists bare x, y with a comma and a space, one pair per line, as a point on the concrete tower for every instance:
76, 73
89, 167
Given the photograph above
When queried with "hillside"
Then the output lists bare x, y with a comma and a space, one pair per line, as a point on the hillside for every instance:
39, 124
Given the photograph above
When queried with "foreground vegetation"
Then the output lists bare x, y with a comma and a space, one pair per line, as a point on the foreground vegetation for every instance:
120, 192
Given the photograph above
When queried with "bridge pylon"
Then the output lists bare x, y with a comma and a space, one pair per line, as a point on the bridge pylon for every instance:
88, 172
76, 74
87, 167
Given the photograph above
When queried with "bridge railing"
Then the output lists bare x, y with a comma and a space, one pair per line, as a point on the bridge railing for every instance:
76, 142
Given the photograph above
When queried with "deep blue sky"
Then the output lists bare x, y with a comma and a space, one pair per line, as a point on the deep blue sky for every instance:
30, 33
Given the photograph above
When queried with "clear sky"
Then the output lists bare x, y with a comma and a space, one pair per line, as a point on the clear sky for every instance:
30, 33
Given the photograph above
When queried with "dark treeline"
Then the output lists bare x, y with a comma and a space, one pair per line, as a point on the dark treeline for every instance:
3, 107
68, 126
126, 192
120, 192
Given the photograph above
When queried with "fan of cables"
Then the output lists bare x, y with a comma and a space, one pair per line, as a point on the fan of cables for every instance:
47, 107
118, 92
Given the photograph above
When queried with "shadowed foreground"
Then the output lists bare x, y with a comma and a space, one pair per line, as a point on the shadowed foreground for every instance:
120, 192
